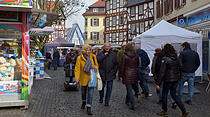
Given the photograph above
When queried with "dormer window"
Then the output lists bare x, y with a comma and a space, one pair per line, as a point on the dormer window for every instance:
95, 9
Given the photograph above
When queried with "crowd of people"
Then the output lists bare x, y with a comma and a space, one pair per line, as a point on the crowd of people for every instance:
169, 70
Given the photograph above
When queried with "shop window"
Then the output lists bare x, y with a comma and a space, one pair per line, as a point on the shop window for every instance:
114, 4
114, 21
107, 5
141, 9
141, 27
113, 37
133, 11
121, 19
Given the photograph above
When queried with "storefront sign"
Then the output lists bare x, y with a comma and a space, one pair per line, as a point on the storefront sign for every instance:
201, 17
15, 2
182, 21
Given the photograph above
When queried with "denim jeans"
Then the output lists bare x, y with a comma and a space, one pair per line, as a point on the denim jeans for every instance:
108, 90
161, 94
143, 82
130, 96
189, 78
136, 88
90, 90
171, 86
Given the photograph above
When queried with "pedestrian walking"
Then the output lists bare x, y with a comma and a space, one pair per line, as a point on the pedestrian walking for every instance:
108, 67
56, 58
85, 62
145, 61
129, 73
190, 61
170, 74
49, 58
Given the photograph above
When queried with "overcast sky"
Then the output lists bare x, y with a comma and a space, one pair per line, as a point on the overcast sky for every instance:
78, 18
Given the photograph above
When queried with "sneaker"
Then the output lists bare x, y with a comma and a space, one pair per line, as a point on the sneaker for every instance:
174, 105
188, 102
185, 113
162, 113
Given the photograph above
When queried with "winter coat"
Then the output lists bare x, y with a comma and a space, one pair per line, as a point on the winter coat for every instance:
129, 68
120, 55
158, 62
190, 60
145, 61
82, 76
56, 55
170, 70
107, 65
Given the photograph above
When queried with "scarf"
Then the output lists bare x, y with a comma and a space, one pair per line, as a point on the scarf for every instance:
88, 65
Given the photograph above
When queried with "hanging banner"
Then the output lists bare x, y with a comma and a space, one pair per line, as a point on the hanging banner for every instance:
16, 2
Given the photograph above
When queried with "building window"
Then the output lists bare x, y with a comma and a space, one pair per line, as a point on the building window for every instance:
133, 28
141, 9
121, 36
159, 8
95, 22
107, 5
114, 4
168, 6
107, 37
179, 3
114, 21
95, 9
121, 3
113, 37
121, 19
86, 21
107, 22
133, 11
95, 36
141, 27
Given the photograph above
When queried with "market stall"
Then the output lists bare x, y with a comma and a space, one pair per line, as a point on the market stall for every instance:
14, 53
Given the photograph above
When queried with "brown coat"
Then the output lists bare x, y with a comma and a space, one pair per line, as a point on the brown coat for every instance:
129, 68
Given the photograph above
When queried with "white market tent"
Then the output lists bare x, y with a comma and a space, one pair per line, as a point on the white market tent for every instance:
163, 33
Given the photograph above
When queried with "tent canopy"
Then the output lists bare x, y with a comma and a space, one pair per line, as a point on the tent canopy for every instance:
60, 42
163, 33
163, 28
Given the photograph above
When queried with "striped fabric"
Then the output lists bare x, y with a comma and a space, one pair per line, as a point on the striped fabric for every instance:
88, 65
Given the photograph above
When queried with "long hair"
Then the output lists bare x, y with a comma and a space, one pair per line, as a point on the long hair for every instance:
169, 49
129, 47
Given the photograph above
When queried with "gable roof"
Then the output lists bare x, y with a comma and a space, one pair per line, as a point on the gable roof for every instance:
99, 3
75, 31
136, 2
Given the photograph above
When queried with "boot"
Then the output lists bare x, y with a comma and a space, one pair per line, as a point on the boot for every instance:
89, 111
83, 104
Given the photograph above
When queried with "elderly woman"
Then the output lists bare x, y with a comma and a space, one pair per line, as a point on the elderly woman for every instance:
85, 62
129, 72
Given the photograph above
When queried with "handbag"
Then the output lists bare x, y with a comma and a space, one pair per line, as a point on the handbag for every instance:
99, 81
92, 82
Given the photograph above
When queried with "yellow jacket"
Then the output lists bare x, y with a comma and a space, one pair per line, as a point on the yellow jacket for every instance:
79, 69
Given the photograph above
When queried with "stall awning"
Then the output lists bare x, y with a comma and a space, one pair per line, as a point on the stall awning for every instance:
41, 31
15, 8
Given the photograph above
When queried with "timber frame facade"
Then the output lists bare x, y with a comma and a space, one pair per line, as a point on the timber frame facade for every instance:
116, 23
140, 17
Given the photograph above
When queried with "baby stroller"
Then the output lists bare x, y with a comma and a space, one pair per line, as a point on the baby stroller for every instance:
69, 66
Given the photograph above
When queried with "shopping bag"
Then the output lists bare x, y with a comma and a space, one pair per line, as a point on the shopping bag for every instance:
92, 82
99, 81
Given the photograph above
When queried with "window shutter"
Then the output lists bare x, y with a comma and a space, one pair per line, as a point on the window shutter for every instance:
176, 4
171, 6
165, 7
158, 9
97, 22
184, 2
91, 36
97, 35
104, 23
91, 22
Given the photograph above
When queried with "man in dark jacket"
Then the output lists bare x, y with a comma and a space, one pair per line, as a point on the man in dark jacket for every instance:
145, 61
190, 61
107, 68
56, 57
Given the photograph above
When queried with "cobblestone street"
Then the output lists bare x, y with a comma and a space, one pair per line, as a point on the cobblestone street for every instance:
48, 99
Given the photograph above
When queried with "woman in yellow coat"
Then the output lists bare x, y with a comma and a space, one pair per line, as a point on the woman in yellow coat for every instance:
85, 62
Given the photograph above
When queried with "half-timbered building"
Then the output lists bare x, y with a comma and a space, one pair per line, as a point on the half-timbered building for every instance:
116, 25
140, 16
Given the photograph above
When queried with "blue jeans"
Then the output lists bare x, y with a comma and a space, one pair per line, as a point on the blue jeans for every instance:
108, 91
136, 88
171, 86
161, 94
143, 82
129, 96
90, 90
189, 78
